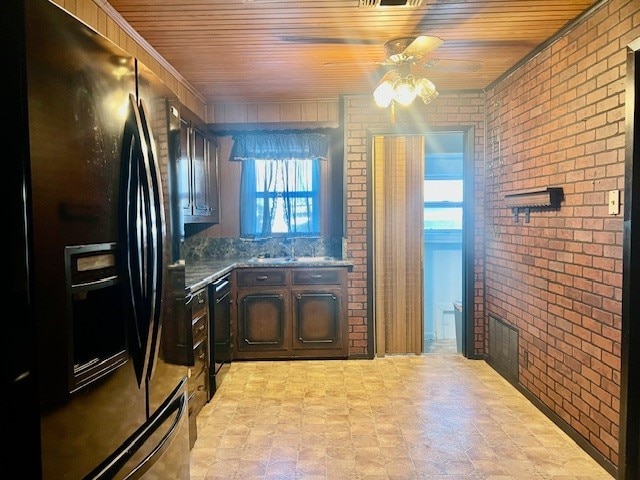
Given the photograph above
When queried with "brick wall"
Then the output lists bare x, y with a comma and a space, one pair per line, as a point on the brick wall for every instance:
362, 115
559, 122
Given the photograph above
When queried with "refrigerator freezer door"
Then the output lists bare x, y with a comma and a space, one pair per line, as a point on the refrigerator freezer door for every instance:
158, 450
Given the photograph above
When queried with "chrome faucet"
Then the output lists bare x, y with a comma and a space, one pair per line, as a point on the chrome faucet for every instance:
291, 247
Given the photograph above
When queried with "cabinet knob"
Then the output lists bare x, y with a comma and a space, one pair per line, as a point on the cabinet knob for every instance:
262, 277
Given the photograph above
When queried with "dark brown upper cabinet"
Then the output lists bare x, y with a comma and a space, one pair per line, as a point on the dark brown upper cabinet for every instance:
199, 178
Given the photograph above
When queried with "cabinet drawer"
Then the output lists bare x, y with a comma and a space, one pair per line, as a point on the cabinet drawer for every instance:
316, 276
200, 358
198, 396
266, 276
199, 328
200, 303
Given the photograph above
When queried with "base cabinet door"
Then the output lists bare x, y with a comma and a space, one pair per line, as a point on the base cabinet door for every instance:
262, 322
317, 320
298, 312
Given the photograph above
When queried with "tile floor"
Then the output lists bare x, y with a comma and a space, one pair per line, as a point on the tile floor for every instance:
437, 416
445, 345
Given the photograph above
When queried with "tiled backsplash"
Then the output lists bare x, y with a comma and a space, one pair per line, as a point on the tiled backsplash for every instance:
198, 248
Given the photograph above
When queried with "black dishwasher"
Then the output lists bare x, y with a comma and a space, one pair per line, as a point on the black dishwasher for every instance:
220, 336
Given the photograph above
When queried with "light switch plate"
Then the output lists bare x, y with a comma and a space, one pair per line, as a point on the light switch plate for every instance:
614, 202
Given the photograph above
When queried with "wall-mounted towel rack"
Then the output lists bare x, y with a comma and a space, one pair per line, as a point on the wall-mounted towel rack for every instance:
546, 198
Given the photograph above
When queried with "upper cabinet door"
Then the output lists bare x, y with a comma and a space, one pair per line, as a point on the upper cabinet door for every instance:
183, 158
199, 194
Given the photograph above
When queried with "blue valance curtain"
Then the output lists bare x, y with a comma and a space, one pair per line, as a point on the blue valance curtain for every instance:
280, 146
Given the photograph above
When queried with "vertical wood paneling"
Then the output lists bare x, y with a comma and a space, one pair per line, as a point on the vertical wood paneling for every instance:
290, 112
275, 112
98, 16
309, 111
268, 112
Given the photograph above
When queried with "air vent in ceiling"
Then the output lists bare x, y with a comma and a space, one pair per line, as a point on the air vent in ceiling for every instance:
390, 3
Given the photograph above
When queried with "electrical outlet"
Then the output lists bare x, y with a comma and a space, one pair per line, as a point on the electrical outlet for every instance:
614, 202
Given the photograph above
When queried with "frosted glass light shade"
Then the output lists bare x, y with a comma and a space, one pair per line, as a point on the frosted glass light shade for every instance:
404, 91
383, 94
426, 90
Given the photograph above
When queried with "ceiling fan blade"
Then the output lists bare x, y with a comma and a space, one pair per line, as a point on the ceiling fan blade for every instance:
352, 64
453, 66
421, 46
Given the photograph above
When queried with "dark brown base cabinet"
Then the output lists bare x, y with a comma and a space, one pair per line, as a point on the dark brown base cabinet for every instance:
317, 320
291, 313
198, 382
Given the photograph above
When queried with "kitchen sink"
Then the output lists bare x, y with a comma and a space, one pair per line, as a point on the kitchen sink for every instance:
269, 259
311, 259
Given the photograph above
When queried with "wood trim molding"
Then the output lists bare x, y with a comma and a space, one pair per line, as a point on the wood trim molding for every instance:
129, 30
629, 438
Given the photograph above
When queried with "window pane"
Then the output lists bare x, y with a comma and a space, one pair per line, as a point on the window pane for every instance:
279, 224
442, 218
286, 183
443, 190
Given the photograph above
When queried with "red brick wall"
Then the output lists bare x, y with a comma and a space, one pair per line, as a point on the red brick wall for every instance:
559, 122
360, 115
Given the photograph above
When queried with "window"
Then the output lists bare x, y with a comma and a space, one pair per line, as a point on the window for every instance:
280, 197
280, 183
443, 204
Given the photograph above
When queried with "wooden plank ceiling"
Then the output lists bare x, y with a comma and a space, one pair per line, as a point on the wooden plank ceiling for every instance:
278, 50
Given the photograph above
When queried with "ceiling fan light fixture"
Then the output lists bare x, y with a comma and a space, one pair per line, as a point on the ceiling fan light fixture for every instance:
389, 3
426, 90
404, 91
384, 92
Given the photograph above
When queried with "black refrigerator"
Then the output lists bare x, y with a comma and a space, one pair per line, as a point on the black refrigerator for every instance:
94, 228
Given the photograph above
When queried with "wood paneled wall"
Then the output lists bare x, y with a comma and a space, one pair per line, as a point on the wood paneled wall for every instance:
324, 111
100, 16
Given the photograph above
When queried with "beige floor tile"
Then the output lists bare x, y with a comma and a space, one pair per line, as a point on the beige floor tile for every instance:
434, 416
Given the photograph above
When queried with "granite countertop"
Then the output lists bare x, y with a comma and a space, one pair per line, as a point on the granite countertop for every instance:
200, 273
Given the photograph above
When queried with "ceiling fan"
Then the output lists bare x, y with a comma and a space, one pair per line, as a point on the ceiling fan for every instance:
406, 53
407, 59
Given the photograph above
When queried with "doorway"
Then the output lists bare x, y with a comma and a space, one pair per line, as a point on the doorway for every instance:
629, 442
400, 249
443, 203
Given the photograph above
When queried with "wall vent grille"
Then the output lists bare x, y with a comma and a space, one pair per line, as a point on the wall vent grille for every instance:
503, 348
390, 3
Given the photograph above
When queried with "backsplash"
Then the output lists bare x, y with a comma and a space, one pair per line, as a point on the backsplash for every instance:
198, 248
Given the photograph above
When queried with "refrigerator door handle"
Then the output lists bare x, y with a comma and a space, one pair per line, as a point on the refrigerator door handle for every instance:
176, 406
135, 212
156, 245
